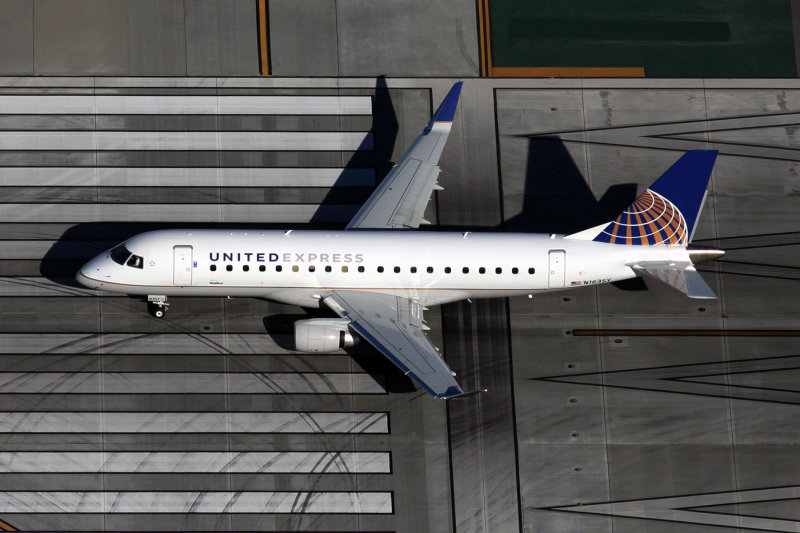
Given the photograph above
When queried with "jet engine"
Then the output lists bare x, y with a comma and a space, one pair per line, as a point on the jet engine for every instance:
323, 335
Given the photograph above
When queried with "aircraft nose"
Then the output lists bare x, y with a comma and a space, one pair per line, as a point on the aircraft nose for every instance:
89, 273
83, 279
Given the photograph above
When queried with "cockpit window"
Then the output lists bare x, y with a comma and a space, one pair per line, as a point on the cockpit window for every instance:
120, 254
135, 261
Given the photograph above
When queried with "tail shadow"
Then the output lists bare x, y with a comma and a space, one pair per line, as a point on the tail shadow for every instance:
557, 198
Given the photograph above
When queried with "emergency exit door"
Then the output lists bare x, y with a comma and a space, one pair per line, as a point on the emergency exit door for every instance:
555, 278
182, 265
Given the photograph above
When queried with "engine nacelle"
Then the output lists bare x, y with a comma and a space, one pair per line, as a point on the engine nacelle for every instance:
323, 335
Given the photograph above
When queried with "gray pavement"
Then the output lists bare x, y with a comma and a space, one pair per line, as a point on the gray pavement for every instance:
584, 427
129, 37
213, 383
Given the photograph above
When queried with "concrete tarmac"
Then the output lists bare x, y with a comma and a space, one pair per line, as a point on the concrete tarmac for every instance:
614, 408
602, 411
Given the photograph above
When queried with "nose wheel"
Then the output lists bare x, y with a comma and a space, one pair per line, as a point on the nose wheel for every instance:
157, 306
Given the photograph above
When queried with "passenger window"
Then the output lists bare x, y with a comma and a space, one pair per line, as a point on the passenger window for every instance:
396, 270
344, 268
295, 268
380, 269
447, 270
498, 270
327, 268
213, 268
278, 268
531, 271
465, 270
311, 268
413, 270
246, 268
430, 270
515, 270
261, 268
482, 270
228, 267
361, 269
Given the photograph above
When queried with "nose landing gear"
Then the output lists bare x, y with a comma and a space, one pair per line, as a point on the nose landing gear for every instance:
157, 305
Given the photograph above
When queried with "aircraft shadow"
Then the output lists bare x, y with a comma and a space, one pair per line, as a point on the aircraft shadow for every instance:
81, 242
557, 198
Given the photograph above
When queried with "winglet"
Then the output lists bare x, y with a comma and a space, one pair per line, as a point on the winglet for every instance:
684, 184
447, 109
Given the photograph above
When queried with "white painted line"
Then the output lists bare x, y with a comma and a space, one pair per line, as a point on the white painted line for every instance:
194, 502
689, 509
196, 462
187, 383
183, 213
145, 343
38, 286
52, 250
192, 422
186, 141
185, 177
184, 105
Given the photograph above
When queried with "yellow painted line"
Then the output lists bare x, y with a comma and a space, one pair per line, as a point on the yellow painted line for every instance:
566, 72
484, 38
5, 526
263, 49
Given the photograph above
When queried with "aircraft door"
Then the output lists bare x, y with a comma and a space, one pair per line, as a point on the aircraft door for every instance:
556, 272
182, 265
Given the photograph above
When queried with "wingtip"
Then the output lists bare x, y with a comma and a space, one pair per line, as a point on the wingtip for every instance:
447, 109
462, 395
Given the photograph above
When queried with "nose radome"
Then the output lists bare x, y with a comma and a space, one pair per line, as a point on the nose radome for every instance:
81, 278
88, 275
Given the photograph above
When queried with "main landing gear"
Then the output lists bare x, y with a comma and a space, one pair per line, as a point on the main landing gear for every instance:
157, 305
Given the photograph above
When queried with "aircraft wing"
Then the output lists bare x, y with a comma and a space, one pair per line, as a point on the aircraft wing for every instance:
394, 326
680, 276
401, 198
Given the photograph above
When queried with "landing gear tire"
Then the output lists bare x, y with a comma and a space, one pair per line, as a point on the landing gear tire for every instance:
156, 310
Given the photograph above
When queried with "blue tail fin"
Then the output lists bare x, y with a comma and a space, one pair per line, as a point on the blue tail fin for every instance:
666, 213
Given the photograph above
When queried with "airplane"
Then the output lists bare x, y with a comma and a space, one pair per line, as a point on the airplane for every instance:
378, 277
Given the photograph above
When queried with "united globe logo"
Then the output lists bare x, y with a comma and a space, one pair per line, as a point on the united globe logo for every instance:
650, 220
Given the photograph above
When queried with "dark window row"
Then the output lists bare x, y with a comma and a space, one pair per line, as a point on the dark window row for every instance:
397, 269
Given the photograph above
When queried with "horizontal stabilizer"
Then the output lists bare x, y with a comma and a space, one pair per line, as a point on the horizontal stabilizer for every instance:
680, 276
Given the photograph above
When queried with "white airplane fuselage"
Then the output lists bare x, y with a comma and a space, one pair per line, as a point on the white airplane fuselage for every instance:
297, 267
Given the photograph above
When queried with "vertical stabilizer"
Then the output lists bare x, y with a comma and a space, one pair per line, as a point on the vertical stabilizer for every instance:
667, 212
